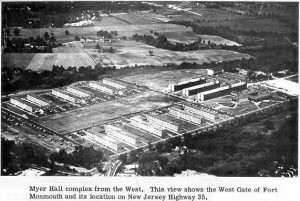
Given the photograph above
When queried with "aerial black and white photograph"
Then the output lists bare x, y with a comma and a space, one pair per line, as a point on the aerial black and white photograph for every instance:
149, 88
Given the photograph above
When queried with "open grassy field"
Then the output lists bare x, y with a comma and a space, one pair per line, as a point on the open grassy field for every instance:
205, 14
219, 15
161, 80
218, 40
130, 53
46, 61
16, 59
189, 37
108, 21
95, 114
140, 17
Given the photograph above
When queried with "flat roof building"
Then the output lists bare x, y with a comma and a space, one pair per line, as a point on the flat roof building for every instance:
186, 84
215, 71
205, 112
102, 139
179, 113
80, 92
40, 101
103, 87
117, 83
221, 91
200, 88
140, 122
23, 104
121, 134
163, 122
64, 95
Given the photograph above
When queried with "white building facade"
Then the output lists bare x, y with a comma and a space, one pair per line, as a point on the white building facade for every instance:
61, 94
39, 101
22, 104
169, 125
103, 87
138, 122
80, 92
121, 135
186, 115
209, 114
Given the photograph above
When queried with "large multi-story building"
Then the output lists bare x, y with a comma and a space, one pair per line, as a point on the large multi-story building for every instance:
41, 102
159, 121
119, 84
140, 122
64, 95
24, 104
80, 92
179, 113
200, 88
186, 84
121, 134
221, 91
205, 112
103, 87
103, 140
215, 71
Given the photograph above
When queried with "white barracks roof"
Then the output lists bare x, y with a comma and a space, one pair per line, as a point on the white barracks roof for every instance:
82, 90
104, 85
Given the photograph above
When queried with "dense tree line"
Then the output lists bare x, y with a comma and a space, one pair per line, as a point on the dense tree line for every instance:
17, 157
162, 42
102, 33
31, 45
228, 33
86, 157
58, 77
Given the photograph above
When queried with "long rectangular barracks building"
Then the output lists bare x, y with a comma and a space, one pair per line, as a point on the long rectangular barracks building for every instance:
80, 92
198, 119
205, 112
41, 102
186, 84
102, 139
23, 104
64, 95
162, 122
221, 91
117, 83
140, 122
103, 87
200, 88
121, 134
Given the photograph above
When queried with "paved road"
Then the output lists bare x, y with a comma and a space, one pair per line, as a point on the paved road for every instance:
113, 168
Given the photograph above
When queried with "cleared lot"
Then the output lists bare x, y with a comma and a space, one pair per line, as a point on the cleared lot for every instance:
46, 61
95, 114
161, 80
131, 53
